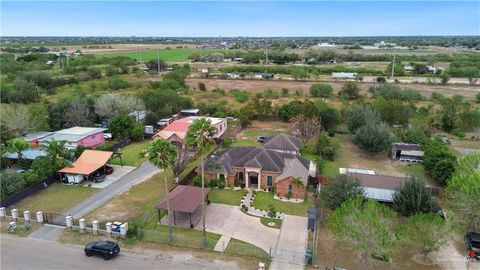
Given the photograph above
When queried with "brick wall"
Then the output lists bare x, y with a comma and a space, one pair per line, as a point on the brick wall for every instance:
231, 180
264, 176
282, 189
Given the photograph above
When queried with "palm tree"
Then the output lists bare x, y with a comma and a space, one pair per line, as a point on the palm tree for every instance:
200, 135
17, 146
57, 152
162, 154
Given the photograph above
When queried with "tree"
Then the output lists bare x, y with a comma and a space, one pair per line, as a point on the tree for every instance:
341, 189
426, 233
123, 126
367, 226
162, 154
325, 147
393, 112
78, 114
477, 97
200, 136
350, 90
359, 115
444, 78
109, 105
305, 128
463, 190
321, 90
11, 184
181, 161
373, 137
17, 146
329, 116
413, 198
438, 160
57, 154
17, 119
472, 73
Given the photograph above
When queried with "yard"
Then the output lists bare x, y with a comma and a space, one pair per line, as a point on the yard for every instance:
132, 154
263, 200
266, 220
180, 55
226, 196
55, 199
249, 135
237, 247
134, 202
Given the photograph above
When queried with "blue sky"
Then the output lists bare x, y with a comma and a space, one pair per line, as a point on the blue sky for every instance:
154, 18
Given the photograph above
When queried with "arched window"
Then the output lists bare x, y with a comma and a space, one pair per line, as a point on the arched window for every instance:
269, 181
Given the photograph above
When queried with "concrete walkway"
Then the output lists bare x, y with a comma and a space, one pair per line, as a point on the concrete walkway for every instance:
142, 173
292, 244
254, 211
222, 243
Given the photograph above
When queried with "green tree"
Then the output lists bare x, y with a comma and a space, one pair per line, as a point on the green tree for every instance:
426, 233
413, 198
368, 227
321, 90
438, 160
373, 137
330, 117
123, 126
350, 90
17, 146
11, 184
162, 154
393, 112
325, 147
444, 78
463, 190
341, 189
200, 136
359, 115
477, 97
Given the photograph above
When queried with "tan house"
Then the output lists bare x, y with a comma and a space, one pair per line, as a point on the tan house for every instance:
260, 168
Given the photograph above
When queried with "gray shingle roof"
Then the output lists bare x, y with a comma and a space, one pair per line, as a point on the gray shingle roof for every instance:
283, 142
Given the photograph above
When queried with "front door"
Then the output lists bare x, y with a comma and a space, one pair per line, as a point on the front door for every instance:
253, 179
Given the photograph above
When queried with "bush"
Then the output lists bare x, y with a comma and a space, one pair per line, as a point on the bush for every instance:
321, 90
271, 94
221, 184
381, 79
477, 98
350, 90
373, 137
11, 184
219, 90
285, 93
117, 83
241, 96
325, 147
413, 198
439, 161
359, 115
341, 189
197, 181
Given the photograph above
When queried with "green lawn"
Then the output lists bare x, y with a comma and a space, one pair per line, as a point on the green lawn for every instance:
263, 200
249, 136
131, 154
237, 247
266, 220
226, 196
176, 55
55, 199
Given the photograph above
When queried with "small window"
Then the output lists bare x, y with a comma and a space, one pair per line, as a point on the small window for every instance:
93, 137
289, 188
269, 181
222, 177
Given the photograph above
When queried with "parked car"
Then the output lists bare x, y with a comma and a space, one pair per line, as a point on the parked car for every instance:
98, 176
108, 170
106, 249
472, 242
262, 139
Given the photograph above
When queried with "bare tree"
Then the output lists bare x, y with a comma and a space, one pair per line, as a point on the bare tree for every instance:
305, 128
110, 105
78, 114
17, 119
181, 160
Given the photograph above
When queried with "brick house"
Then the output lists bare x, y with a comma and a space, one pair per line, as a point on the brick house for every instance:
260, 168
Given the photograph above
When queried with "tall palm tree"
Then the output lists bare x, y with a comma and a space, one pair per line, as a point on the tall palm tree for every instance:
57, 153
200, 135
162, 154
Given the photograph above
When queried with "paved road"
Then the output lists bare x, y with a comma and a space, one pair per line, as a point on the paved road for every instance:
145, 171
24, 253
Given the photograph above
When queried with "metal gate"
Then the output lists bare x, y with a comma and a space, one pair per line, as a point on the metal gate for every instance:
56, 219
290, 256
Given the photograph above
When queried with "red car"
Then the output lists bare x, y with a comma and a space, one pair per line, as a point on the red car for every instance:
108, 170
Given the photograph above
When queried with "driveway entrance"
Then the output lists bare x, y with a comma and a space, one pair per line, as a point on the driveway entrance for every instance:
230, 221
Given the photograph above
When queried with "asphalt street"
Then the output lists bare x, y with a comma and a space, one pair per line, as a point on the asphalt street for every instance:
29, 253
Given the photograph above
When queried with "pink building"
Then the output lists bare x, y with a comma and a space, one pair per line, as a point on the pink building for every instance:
177, 130
77, 136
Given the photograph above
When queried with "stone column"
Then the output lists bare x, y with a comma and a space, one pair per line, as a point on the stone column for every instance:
81, 222
108, 226
259, 180
26, 216
95, 227
3, 213
40, 217
123, 230
14, 214
69, 221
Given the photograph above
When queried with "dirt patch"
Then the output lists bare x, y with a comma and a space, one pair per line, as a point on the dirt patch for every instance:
262, 85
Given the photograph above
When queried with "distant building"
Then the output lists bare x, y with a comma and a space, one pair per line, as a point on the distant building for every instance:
432, 69
139, 116
76, 136
190, 112
326, 45
344, 75
283, 143
407, 152
379, 187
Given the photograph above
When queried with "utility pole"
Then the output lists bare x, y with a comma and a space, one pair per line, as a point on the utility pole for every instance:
266, 59
158, 62
68, 63
393, 65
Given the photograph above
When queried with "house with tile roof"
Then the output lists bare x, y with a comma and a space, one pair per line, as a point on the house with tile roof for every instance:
261, 168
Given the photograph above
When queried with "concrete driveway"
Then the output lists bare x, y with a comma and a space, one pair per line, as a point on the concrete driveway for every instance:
230, 221
289, 253
118, 172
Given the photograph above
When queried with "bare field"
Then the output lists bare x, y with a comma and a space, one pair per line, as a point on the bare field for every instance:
262, 85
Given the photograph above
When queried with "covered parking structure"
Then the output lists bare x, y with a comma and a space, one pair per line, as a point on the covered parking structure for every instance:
88, 162
184, 202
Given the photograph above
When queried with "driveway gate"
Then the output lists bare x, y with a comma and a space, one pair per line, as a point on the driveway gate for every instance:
56, 219
290, 256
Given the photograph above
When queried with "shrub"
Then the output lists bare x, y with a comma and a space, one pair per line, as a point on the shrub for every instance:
197, 181
221, 184
350, 90
439, 161
271, 94
11, 184
117, 83
359, 115
321, 90
202, 87
219, 90
285, 93
325, 147
477, 97
241, 96
373, 137
413, 198
340, 189
272, 212
381, 79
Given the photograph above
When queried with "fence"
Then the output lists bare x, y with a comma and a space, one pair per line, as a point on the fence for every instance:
190, 238
28, 191
55, 219
288, 256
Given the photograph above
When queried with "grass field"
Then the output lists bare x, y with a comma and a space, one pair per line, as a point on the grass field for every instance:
263, 200
177, 55
226, 196
249, 135
55, 199
131, 154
